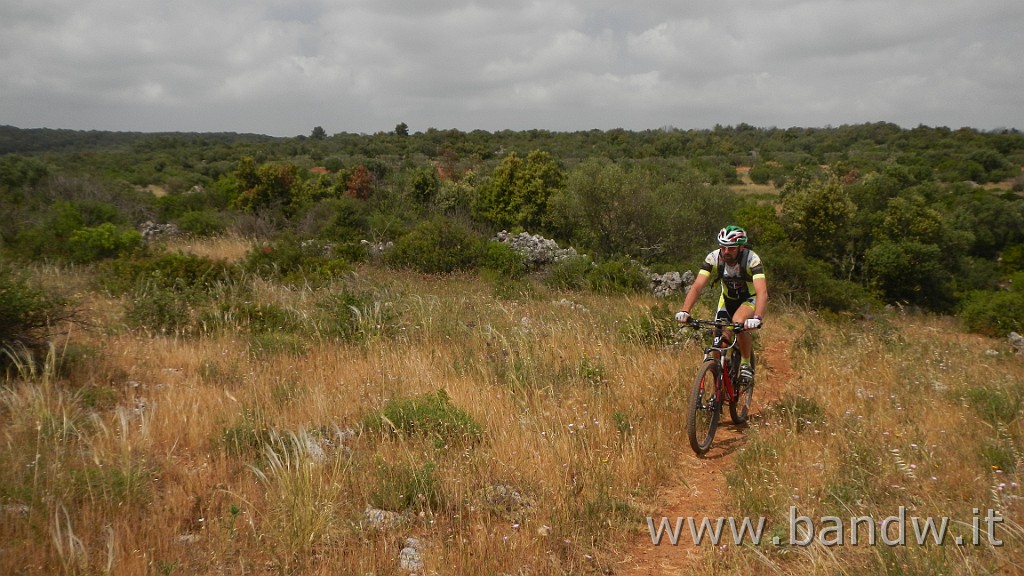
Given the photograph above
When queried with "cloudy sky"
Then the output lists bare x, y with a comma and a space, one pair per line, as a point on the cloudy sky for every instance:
282, 67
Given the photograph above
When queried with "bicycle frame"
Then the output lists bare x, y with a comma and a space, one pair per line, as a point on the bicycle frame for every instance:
716, 385
720, 350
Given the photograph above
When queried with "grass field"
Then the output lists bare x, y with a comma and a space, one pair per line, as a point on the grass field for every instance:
507, 427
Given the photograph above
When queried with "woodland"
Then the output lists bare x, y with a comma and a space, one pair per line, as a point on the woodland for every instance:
847, 218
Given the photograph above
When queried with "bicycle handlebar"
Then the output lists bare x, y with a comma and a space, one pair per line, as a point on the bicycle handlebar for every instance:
735, 326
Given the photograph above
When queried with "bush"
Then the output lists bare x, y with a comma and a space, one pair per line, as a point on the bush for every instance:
569, 273
343, 220
185, 275
622, 276
202, 222
295, 262
104, 241
994, 405
159, 310
432, 415
399, 487
166, 289
995, 313
811, 282
508, 262
930, 285
49, 234
259, 317
28, 313
437, 246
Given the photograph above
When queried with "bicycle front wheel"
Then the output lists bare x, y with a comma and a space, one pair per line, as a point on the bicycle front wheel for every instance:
703, 409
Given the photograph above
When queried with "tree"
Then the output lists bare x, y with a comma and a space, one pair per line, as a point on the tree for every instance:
402, 129
909, 217
518, 191
360, 183
318, 133
910, 272
611, 211
425, 184
604, 209
268, 186
816, 215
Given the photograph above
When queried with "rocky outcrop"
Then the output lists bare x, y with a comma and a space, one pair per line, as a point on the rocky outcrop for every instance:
152, 231
669, 283
539, 251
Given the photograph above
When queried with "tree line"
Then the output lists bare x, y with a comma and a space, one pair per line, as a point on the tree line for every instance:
847, 218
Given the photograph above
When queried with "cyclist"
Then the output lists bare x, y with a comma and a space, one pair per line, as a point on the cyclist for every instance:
744, 289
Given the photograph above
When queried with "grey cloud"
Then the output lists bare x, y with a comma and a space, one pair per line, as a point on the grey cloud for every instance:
281, 67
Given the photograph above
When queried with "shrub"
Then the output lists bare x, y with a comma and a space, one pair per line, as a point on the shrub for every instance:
798, 277
294, 261
159, 310
432, 415
508, 262
622, 276
995, 313
260, 317
402, 486
249, 436
187, 275
341, 220
28, 313
437, 246
104, 241
569, 273
165, 289
202, 222
929, 286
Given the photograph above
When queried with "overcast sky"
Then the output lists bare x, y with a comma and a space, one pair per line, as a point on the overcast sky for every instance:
282, 67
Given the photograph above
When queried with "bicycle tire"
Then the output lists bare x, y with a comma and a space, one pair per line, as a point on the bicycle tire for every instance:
740, 409
703, 408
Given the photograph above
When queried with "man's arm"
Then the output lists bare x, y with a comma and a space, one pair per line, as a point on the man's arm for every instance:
761, 293
695, 290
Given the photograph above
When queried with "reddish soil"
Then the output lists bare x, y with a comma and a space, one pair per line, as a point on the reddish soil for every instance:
699, 489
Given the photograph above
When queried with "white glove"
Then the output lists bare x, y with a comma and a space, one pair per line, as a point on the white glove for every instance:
752, 323
682, 317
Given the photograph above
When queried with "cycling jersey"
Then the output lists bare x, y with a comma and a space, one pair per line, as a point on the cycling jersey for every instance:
737, 280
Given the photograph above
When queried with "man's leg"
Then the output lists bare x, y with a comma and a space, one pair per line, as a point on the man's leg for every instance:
744, 341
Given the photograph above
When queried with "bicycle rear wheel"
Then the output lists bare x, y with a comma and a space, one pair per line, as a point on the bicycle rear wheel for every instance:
703, 408
739, 410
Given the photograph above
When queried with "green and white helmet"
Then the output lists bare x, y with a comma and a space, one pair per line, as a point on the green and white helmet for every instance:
732, 236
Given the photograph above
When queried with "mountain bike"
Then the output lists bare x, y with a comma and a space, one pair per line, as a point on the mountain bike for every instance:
717, 383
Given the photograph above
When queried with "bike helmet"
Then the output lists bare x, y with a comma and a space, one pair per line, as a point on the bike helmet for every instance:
732, 236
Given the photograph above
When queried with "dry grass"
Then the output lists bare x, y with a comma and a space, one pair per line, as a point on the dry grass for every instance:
902, 411
236, 453
229, 247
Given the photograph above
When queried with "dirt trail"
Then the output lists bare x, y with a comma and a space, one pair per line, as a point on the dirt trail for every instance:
699, 489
